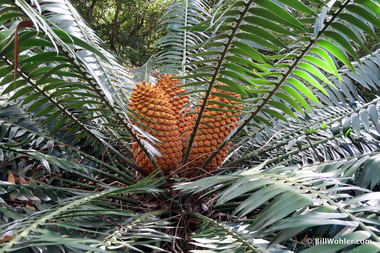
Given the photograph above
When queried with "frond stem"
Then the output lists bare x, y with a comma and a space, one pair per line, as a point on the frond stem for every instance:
184, 51
236, 236
217, 69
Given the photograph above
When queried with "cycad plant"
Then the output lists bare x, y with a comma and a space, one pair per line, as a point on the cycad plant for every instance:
259, 133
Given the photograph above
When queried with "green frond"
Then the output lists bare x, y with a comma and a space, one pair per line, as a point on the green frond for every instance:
284, 201
346, 127
65, 211
67, 73
104, 66
26, 137
177, 44
225, 238
278, 73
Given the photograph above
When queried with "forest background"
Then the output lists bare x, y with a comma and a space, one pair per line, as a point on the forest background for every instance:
129, 28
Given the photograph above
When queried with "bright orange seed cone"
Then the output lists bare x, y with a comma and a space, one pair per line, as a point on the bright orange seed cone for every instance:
166, 113
152, 103
217, 126
171, 86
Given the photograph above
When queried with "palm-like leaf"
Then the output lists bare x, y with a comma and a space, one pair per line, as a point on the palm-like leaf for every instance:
46, 224
26, 136
290, 200
347, 115
78, 68
279, 83
300, 59
178, 42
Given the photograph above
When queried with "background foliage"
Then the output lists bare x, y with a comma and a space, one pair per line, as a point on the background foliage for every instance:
129, 28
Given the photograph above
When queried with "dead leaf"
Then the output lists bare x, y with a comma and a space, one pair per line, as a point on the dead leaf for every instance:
30, 207
22, 181
7, 238
11, 178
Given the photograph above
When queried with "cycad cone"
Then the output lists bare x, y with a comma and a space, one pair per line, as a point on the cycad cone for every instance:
162, 122
219, 119
180, 103
168, 116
